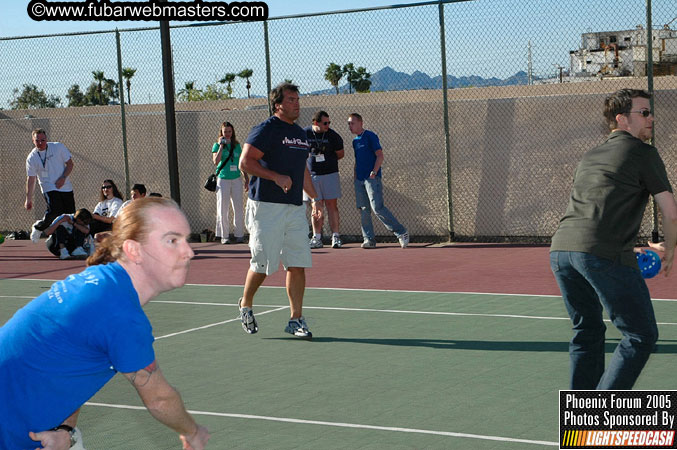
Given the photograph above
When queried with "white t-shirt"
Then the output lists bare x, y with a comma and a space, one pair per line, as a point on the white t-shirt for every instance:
123, 206
48, 166
108, 208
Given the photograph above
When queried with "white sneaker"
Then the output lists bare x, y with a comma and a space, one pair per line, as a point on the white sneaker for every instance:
299, 328
90, 245
316, 243
35, 235
79, 252
404, 239
336, 242
64, 254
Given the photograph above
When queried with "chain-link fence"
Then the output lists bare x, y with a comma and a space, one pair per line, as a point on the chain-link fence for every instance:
488, 155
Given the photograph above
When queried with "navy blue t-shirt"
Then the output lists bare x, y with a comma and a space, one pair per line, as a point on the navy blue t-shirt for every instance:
285, 151
323, 146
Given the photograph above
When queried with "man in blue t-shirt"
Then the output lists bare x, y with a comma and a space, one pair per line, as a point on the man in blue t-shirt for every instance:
326, 148
61, 348
275, 155
368, 185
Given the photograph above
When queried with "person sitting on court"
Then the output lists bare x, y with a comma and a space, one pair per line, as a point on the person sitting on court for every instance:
62, 347
107, 208
68, 234
138, 191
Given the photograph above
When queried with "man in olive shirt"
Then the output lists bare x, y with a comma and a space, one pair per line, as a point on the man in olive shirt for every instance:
592, 254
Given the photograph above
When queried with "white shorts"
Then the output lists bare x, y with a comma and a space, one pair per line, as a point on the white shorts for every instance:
277, 232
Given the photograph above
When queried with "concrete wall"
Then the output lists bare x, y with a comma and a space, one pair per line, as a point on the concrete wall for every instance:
513, 152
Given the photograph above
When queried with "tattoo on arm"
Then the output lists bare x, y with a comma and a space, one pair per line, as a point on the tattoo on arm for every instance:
141, 377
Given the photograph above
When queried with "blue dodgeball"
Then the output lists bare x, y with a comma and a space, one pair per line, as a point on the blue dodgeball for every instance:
649, 263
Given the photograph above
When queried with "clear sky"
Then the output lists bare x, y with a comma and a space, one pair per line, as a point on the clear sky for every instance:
487, 38
14, 19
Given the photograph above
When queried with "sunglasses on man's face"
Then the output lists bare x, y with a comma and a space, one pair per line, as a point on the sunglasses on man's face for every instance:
643, 112
326, 123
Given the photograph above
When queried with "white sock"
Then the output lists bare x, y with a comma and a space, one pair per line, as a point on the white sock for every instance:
336, 235
318, 236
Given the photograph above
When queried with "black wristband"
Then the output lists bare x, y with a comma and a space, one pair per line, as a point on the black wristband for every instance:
70, 429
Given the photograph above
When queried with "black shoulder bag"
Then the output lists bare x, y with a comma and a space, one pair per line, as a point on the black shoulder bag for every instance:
210, 184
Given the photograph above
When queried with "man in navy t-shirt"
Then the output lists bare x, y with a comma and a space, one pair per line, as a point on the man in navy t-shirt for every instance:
326, 148
275, 155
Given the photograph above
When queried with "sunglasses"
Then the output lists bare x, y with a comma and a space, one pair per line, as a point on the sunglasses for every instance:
326, 123
108, 186
644, 112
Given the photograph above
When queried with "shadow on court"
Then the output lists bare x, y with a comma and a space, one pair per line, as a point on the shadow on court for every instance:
453, 344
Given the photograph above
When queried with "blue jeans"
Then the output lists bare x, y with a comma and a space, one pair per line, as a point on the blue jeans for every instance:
369, 194
587, 283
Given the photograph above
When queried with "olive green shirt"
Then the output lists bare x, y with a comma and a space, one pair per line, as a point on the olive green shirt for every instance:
611, 188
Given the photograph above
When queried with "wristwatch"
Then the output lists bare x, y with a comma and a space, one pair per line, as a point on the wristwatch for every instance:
70, 430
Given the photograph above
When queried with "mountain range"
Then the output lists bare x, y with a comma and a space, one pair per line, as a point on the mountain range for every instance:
388, 79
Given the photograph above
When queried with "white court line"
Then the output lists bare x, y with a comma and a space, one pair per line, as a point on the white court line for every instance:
215, 324
344, 425
431, 313
372, 290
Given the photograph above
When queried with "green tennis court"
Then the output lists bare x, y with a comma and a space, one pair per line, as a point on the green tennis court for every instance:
386, 369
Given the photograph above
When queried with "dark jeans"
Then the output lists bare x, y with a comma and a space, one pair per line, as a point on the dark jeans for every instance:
96, 226
70, 240
57, 203
587, 283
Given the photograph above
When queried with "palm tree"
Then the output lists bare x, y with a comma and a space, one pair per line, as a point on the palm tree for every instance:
227, 79
333, 74
349, 71
186, 93
99, 78
127, 74
361, 80
246, 73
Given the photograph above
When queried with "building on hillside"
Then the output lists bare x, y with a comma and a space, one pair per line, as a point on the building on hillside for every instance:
623, 53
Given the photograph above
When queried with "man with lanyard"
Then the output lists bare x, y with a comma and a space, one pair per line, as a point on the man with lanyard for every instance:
51, 164
326, 148
275, 156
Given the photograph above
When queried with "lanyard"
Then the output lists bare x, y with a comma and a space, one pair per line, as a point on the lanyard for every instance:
43, 161
318, 143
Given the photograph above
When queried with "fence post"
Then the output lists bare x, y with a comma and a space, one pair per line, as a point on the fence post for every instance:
170, 113
268, 74
445, 104
122, 113
649, 80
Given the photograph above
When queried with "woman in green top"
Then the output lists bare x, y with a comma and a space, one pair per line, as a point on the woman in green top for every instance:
230, 185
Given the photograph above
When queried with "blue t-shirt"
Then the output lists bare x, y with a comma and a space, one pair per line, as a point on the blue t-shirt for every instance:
61, 348
285, 151
365, 146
